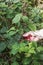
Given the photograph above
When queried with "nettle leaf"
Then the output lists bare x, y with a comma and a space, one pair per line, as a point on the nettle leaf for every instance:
2, 46
15, 49
22, 47
25, 18
31, 45
17, 18
32, 50
32, 26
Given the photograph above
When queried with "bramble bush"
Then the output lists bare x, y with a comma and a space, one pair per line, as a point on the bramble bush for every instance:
16, 18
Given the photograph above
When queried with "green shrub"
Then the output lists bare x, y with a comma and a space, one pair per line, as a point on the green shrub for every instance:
16, 18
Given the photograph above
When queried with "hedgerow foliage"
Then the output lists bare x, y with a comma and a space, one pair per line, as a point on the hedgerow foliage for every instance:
16, 18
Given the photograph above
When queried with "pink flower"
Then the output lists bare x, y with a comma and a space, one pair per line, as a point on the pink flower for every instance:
33, 35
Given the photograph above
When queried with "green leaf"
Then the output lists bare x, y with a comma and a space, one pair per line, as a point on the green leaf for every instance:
15, 49
15, 63
2, 13
11, 33
39, 49
11, 29
36, 62
32, 44
2, 46
41, 56
25, 18
17, 18
22, 47
3, 5
32, 26
32, 50
3, 29
26, 61
41, 25
27, 55
16, 1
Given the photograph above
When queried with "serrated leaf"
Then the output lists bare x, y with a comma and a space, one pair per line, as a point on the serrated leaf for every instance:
15, 49
32, 50
22, 47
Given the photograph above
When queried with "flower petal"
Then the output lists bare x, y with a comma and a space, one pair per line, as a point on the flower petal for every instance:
33, 35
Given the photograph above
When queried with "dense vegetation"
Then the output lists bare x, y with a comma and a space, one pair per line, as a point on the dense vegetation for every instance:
16, 18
